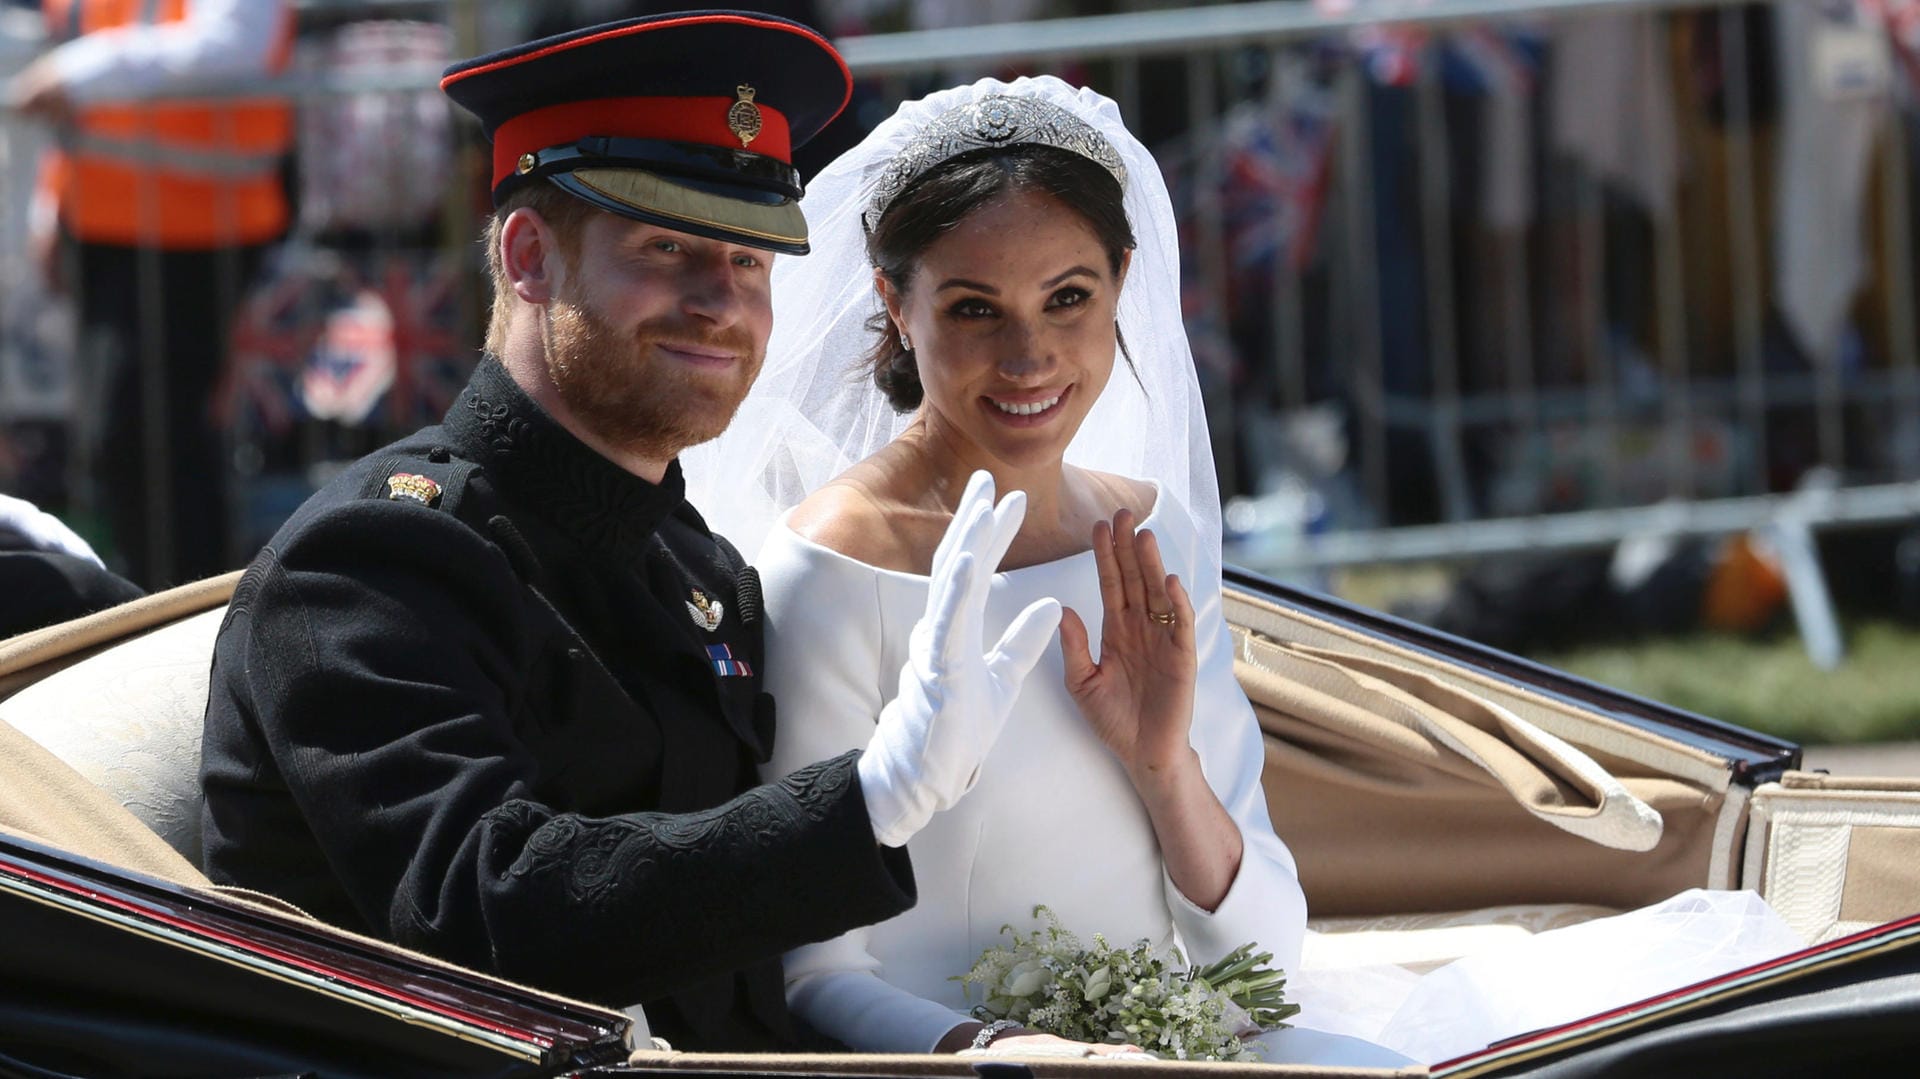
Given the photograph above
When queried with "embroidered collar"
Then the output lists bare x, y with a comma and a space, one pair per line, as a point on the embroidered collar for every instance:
537, 463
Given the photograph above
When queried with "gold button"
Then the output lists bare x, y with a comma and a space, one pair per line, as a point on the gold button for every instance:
527, 162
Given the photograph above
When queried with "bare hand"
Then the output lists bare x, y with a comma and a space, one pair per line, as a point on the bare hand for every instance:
1016, 1042
37, 91
43, 250
1139, 697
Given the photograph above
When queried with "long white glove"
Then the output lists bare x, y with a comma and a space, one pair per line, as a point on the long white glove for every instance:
954, 697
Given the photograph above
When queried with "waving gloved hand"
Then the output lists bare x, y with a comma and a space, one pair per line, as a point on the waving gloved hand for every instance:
954, 696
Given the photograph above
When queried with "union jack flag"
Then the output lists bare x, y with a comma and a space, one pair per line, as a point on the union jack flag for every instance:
432, 356
352, 364
1391, 53
1276, 159
327, 336
1491, 58
259, 388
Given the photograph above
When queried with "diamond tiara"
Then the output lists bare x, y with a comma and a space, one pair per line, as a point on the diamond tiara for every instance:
995, 121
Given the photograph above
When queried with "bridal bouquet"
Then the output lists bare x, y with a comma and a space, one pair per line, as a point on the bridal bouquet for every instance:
1048, 981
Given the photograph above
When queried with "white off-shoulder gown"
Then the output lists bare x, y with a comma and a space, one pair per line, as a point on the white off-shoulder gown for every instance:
1053, 820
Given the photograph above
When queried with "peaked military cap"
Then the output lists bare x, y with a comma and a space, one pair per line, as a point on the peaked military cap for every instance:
687, 120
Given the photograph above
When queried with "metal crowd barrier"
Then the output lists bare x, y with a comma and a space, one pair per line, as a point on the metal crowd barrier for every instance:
1335, 454
1414, 347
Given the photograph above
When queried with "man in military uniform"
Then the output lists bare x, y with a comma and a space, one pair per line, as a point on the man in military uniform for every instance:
494, 692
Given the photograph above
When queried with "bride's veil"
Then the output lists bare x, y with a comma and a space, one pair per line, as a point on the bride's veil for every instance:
814, 411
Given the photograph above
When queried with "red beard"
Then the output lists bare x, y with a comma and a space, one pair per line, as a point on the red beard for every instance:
632, 398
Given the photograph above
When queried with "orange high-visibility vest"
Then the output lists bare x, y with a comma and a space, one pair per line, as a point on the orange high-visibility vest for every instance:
175, 174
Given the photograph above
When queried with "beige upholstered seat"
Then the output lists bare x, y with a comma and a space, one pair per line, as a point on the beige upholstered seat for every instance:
128, 719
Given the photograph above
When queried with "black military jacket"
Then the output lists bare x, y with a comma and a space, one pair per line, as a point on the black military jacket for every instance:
491, 697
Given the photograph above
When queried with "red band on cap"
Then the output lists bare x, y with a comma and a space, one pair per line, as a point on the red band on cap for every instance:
679, 119
651, 25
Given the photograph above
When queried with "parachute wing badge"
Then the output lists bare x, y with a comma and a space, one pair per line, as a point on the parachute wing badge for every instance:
705, 610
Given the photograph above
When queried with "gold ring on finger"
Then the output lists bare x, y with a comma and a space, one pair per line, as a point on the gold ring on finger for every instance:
1166, 619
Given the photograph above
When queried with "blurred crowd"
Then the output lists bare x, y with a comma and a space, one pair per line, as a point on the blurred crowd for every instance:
207, 302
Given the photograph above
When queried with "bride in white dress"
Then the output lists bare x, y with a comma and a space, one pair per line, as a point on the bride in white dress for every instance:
1025, 321
1145, 818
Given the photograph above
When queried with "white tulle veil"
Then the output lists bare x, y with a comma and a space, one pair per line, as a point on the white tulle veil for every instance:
814, 410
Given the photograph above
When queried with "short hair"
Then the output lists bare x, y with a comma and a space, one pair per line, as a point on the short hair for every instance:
938, 201
566, 215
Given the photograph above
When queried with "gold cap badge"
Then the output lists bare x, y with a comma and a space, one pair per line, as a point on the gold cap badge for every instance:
743, 118
412, 487
706, 612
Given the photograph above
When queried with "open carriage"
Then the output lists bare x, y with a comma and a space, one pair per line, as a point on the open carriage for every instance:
1420, 780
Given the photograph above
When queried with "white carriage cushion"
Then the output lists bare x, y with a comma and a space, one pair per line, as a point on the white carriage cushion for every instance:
128, 719
31, 656
43, 798
1421, 942
1836, 854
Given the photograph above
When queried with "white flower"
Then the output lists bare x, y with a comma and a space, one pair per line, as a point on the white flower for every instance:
1098, 983
1028, 977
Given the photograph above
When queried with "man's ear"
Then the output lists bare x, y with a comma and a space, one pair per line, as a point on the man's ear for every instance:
529, 255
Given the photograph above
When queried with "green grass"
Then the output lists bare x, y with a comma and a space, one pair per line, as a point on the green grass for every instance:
1764, 683
1769, 685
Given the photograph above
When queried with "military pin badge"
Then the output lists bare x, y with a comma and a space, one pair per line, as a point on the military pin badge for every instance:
743, 118
413, 487
705, 611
